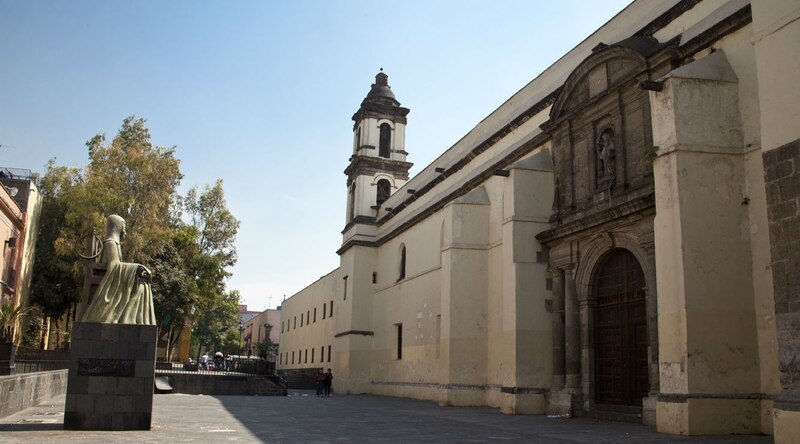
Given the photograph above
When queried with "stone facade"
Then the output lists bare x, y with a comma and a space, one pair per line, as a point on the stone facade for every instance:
259, 328
606, 243
111, 377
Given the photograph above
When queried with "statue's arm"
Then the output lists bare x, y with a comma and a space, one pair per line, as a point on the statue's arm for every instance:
144, 273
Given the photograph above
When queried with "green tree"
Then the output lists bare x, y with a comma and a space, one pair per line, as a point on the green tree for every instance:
207, 212
217, 227
134, 179
175, 289
213, 326
56, 283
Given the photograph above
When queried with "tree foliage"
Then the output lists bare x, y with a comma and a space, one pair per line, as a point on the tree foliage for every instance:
133, 178
213, 327
217, 228
56, 283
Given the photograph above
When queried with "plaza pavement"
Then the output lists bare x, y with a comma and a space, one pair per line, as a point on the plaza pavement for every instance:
302, 417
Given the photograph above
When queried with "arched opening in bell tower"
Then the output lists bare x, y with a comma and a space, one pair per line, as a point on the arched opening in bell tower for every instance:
384, 190
385, 140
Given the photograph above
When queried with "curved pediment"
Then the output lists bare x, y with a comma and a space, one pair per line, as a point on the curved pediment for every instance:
606, 68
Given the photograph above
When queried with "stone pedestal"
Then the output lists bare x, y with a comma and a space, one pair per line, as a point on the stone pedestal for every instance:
111, 371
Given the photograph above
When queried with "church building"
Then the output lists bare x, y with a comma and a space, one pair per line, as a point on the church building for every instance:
620, 239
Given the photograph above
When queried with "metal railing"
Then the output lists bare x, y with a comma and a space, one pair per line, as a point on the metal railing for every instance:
31, 360
236, 365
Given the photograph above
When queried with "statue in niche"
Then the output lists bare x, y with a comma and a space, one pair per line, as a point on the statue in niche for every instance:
124, 295
605, 153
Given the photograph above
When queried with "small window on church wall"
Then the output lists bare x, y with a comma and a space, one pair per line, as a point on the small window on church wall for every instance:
399, 341
384, 191
358, 138
385, 140
351, 203
402, 274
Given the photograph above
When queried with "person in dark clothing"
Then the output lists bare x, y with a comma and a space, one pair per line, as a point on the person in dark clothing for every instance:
328, 382
319, 378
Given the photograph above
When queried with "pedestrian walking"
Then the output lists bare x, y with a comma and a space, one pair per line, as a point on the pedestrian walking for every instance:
328, 382
319, 378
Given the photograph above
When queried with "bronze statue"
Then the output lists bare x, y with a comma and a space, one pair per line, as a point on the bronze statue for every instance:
124, 295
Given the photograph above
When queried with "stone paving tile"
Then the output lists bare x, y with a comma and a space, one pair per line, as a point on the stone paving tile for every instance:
302, 417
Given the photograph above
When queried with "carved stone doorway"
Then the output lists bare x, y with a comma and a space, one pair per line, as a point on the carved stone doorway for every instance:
620, 330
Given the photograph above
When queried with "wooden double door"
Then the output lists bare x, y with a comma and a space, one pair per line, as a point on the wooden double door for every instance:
620, 330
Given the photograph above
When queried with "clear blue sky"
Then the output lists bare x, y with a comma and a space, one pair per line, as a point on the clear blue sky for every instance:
261, 94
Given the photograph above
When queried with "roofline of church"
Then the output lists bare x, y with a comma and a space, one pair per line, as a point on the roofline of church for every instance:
542, 92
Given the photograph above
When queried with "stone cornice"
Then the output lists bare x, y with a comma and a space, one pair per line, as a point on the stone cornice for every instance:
355, 243
378, 111
362, 220
619, 211
360, 165
667, 17
354, 332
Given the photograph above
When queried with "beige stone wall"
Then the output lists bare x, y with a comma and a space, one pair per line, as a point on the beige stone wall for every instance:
315, 335
711, 247
776, 33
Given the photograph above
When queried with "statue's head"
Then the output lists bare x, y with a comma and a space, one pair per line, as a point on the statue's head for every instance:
115, 226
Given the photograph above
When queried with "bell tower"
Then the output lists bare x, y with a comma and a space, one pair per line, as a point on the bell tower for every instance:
378, 165
377, 169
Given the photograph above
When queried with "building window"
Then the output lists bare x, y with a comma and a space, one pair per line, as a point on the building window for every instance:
374, 277
308, 317
306, 361
331, 310
301, 319
315, 314
329, 353
351, 202
322, 354
402, 274
281, 326
345, 287
385, 140
358, 138
295, 322
324, 306
399, 341
312, 355
292, 356
384, 190
438, 336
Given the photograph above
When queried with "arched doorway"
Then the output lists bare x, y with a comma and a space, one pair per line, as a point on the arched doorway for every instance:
620, 330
